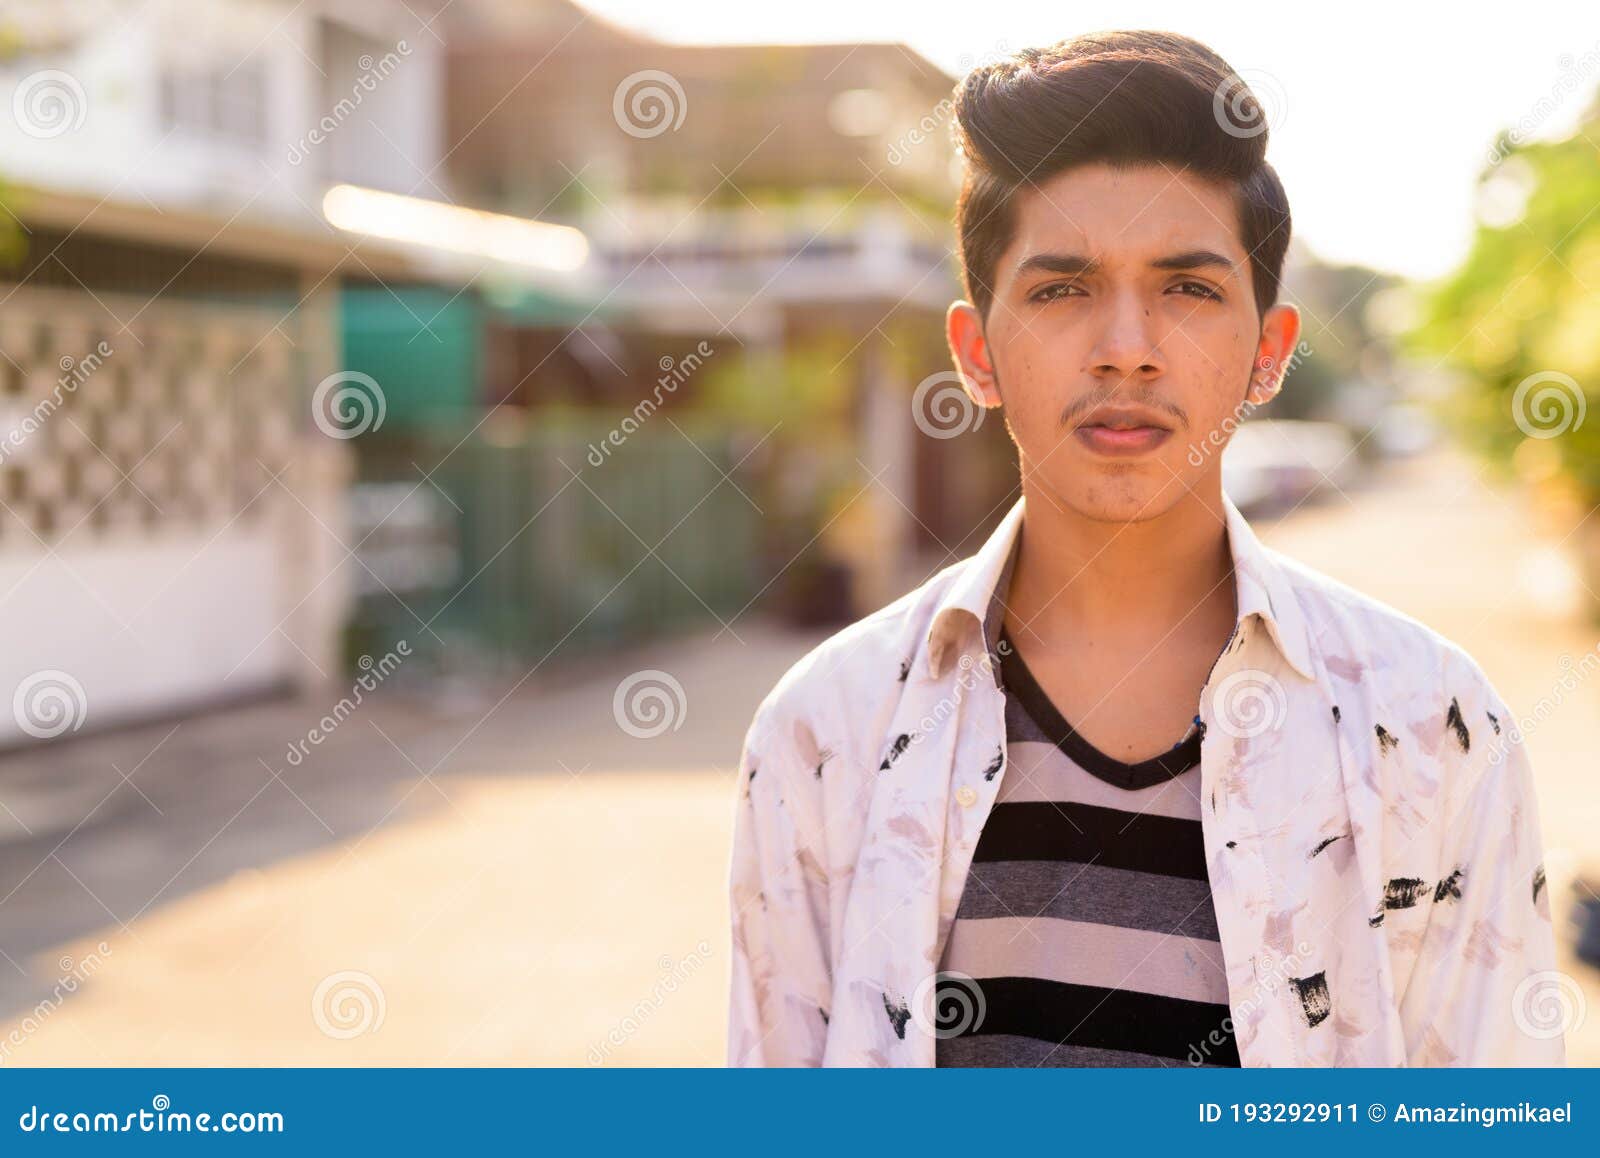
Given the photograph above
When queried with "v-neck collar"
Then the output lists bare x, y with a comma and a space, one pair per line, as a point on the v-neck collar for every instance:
1019, 681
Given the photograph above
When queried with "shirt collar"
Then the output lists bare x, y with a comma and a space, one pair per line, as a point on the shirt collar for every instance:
1261, 589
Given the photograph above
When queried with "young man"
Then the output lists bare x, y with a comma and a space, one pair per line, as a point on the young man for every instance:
1125, 787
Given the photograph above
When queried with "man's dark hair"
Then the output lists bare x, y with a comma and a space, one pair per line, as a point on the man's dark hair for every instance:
1123, 98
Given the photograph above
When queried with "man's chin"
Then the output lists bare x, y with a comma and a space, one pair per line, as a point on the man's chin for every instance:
1134, 497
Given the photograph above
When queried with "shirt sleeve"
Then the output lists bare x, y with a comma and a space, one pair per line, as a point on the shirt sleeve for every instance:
1485, 990
778, 893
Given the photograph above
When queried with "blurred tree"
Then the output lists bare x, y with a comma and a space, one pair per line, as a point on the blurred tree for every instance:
13, 243
800, 401
1337, 348
1519, 319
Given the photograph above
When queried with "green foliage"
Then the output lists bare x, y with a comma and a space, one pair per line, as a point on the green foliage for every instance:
801, 401
13, 242
1527, 301
1335, 339
809, 387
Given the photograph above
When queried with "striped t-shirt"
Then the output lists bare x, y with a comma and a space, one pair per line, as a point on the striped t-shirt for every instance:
1086, 934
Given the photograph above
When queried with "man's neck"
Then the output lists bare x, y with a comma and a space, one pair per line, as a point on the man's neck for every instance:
1075, 576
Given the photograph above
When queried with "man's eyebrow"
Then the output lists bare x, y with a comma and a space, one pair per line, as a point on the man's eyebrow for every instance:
1072, 263
1193, 259
1056, 263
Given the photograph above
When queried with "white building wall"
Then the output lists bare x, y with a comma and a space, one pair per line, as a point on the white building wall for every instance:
129, 107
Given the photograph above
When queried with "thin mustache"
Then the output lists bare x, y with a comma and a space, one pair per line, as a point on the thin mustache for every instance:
1070, 416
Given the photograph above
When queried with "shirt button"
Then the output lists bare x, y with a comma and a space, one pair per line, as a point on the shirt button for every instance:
966, 796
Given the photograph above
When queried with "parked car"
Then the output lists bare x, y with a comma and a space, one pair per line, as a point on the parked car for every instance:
1273, 464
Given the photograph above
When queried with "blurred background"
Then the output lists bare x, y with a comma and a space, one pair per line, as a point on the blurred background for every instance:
429, 427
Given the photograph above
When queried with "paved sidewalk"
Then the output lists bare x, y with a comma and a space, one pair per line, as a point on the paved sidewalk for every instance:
513, 884
439, 882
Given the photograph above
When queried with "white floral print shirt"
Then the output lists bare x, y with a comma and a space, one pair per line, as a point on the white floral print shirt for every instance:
1368, 812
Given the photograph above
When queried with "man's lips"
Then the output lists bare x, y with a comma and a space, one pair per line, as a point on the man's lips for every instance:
1121, 441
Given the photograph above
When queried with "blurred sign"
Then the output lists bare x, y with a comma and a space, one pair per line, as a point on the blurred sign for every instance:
406, 533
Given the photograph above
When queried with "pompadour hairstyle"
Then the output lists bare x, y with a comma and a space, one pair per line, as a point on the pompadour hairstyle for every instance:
1124, 98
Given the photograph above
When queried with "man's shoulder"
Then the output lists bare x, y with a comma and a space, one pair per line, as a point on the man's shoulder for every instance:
846, 674
1361, 636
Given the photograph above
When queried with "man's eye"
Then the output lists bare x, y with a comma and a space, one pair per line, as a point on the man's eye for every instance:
1052, 293
1199, 289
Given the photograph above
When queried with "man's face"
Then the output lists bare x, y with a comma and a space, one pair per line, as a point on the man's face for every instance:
1122, 337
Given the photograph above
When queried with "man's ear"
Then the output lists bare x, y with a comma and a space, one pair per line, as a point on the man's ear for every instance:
1280, 330
963, 327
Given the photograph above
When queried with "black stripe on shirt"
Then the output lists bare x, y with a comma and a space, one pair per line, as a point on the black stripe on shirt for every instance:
1093, 1016
1086, 833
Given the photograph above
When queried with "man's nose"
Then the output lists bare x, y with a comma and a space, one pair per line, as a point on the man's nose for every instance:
1125, 343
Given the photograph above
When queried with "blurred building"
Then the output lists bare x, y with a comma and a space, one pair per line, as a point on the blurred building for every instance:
273, 402
774, 201
171, 532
